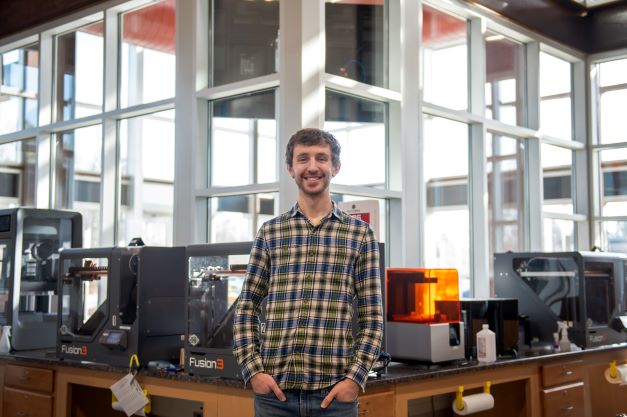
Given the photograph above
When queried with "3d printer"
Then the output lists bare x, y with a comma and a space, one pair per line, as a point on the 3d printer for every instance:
585, 288
215, 275
30, 240
423, 315
121, 301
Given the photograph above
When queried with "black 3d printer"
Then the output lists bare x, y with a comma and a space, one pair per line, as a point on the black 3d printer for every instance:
121, 301
586, 289
30, 240
215, 275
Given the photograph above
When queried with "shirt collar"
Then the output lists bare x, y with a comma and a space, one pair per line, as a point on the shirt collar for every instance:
335, 212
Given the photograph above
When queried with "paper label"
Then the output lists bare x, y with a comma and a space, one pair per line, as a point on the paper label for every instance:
130, 395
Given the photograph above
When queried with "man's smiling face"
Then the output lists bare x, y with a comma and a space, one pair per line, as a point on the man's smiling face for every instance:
312, 168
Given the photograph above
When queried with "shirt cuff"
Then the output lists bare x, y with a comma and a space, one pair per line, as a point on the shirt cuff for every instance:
359, 374
252, 367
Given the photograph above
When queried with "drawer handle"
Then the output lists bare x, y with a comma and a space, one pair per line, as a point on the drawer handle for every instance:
566, 372
570, 408
21, 414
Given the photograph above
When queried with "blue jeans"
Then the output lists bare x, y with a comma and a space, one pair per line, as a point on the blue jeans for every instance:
303, 404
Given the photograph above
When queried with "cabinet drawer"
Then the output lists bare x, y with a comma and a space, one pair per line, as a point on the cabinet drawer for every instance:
377, 405
18, 403
28, 378
566, 401
561, 373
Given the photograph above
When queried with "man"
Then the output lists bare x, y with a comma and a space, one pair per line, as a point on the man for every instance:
310, 263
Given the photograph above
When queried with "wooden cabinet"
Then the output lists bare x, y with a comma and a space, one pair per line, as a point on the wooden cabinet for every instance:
376, 405
27, 391
563, 393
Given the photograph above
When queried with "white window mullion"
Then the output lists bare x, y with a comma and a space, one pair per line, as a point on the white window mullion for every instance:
579, 173
110, 187
45, 174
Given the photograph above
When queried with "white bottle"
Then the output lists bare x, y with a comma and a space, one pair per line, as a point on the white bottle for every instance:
486, 345
564, 342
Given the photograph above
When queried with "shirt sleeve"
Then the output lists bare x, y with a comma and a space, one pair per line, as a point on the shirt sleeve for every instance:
246, 345
369, 309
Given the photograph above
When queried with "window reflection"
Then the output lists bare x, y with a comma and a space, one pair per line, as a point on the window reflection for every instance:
504, 75
613, 182
613, 236
557, 179
19, 88
445, 59
147, 182
148, 53
246, 39
505, 193
79, 73
612, 101
559, 235
243, 140
354, 40
17, 173
359, 127
555, 96
78, 169
447, 224
237, 218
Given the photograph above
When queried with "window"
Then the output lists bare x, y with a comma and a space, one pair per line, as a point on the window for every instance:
555, 96
355, 40
359, 127
612, 78
504, 78
445, 59
147, 54
447, 224
79, 73
17, 173
147, 182
237, 218
505, 193
243, 140
246, 40
19, 88
77, 174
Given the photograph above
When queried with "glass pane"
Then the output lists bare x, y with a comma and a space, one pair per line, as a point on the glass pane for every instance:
505, 169
557, 172
147, 183
381, 231
79, 73
148, 54
611, 108
504, 75
78, 167
359, 126
445, 59
355, 41
246, 39
19, 88
614, 236
555, 97
447, 225
243, 140
237, 218
613, 72
559, 235
17, 173
613, 182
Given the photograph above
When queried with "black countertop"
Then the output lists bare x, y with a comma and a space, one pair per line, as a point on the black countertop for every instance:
396, 372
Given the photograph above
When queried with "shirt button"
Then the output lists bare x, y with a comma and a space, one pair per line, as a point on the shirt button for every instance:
312, 253
305, 303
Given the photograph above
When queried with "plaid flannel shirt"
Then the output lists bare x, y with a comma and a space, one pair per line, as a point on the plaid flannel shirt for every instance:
310, 276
